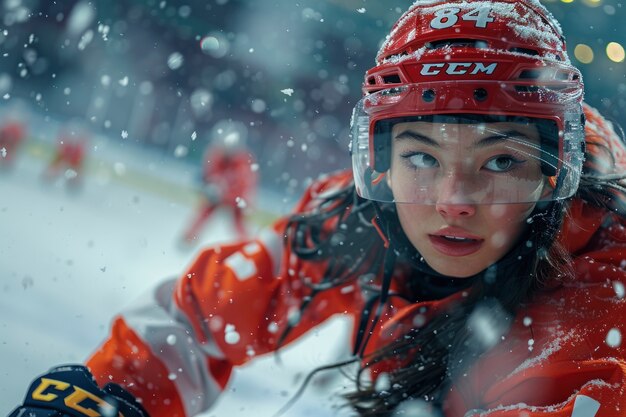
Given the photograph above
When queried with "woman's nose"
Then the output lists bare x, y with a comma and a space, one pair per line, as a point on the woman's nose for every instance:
453, 199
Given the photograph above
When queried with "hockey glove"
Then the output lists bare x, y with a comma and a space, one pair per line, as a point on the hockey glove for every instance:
71, 391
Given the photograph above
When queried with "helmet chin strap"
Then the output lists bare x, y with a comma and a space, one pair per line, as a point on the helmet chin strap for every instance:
382, 224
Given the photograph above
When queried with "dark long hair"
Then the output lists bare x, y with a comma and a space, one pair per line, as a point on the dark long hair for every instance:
341, 233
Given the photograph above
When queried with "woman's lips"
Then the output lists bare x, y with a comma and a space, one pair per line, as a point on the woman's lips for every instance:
452, 242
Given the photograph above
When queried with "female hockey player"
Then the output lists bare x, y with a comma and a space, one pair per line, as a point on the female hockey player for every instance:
478, 243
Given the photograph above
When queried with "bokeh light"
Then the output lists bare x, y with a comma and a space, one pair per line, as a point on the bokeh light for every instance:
583, 53
615, 52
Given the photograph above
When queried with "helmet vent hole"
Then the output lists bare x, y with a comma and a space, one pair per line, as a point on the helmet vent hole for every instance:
480, 94
428, 95
371, 81
530, 74
462, 43
525, 51
392, 79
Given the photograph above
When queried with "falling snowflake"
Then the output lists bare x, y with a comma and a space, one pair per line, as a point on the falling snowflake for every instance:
273, 327
180, 151
618, 287
85, 40
361, 10
231, 336
287, 91
175, 61
104, 31
124, 81
3, 152
614, 338
194, 135
124, 134
107, 410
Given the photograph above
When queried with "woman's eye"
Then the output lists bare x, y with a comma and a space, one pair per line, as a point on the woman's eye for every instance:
422, 160
501, 163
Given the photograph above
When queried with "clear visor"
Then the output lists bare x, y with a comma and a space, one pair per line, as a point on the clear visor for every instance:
464, 158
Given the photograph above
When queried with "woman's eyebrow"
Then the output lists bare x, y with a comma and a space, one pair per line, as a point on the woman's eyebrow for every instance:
409, 134
498, 138
482, 143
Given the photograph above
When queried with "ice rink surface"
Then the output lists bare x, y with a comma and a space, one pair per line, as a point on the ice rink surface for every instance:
69, 260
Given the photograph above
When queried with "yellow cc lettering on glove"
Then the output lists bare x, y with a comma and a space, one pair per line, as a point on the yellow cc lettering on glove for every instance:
73, 400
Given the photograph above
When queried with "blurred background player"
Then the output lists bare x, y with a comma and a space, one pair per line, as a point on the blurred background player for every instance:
228, 179
69, 155
12, 133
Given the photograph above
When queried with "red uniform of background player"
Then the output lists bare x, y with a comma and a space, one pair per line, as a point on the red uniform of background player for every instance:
12, 134
228, 181
69, 154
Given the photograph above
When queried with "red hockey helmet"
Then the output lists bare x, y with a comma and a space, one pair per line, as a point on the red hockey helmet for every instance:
485, 64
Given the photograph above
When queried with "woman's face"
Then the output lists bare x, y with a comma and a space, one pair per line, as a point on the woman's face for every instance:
456, 177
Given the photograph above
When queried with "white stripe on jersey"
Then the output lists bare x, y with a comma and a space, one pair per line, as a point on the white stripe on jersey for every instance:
163, 327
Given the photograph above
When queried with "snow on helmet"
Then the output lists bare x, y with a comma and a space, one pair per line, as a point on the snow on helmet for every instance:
475, 63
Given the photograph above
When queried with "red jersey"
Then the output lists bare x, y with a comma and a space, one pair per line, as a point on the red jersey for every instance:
71, 151
233, 303
11, 135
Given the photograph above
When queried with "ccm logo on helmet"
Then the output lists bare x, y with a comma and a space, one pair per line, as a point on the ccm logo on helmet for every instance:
75, 398
458, 68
